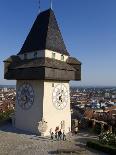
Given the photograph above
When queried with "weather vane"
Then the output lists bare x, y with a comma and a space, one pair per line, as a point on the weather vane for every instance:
39, 5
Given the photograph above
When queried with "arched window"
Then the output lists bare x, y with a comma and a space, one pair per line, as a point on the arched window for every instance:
52, 84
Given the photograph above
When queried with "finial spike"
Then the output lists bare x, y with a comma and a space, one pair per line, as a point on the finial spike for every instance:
51, 5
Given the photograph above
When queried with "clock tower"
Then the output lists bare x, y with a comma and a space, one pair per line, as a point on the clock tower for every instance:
43, 69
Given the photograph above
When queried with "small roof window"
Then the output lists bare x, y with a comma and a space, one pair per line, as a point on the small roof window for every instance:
35, 54
53, 55
25, 56
62, 57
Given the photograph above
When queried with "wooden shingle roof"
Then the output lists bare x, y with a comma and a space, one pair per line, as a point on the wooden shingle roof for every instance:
44, 34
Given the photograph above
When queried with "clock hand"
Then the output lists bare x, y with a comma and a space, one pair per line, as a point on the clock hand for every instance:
59, 98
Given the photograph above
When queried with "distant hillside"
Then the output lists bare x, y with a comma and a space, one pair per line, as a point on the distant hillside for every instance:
7, 86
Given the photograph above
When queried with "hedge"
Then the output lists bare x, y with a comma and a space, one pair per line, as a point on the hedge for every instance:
5, 117
104, 148
97, 128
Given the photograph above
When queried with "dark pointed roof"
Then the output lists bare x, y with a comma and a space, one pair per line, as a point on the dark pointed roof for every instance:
44, 34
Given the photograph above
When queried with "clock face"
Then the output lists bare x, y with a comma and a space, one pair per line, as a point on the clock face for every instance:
25, 96
60, 96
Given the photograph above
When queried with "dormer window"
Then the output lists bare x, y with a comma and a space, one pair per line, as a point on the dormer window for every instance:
25, 56
62, 57
35, 54
53, 55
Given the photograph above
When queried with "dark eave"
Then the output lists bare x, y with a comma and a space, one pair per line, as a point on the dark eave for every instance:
42, 62
73, 61
41, 69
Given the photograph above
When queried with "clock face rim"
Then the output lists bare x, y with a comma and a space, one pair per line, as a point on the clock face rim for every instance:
33, 97
66, 100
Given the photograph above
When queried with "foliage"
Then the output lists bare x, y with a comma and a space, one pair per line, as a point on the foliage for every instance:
97, 128
114, 130
4, 116
90, 123
101, 147
107, 138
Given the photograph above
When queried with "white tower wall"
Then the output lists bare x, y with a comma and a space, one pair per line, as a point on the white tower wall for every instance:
52, 115
42, 107
27, 119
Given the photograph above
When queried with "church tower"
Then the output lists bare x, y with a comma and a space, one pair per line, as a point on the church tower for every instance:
43, 69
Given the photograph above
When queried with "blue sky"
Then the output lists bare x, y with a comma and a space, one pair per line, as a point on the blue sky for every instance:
88, 28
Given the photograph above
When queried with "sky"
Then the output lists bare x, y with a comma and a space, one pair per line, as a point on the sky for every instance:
88, 28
